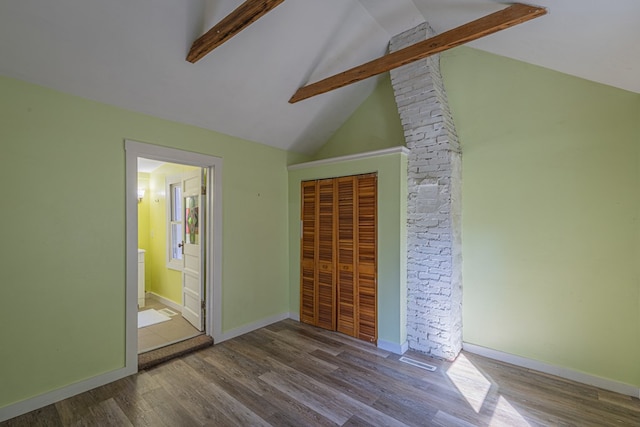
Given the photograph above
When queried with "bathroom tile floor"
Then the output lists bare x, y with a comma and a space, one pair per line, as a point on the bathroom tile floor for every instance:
165, 333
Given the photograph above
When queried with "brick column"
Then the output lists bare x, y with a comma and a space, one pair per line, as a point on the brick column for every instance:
434, 258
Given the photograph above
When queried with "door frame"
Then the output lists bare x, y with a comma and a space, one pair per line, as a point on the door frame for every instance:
213, 261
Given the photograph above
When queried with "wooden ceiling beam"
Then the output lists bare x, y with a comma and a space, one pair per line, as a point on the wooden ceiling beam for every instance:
247, 13
505, 18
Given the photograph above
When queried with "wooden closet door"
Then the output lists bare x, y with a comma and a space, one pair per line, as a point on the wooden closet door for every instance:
325, 255
347, 244
367, 207
308, 292
339, 255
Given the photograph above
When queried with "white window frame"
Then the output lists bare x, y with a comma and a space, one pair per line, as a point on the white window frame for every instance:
170, 182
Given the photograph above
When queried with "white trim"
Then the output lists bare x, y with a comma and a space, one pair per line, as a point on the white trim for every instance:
213, 285
131, 268
164, 301
559, 371
393, 347
294, 316
236, 332
359, 156
42, 400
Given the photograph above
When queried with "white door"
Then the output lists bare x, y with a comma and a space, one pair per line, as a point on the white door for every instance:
193, 241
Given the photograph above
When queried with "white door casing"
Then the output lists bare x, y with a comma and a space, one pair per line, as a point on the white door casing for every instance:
193, 248
213, 261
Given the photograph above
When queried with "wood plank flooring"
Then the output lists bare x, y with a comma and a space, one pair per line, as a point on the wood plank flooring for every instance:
290, 374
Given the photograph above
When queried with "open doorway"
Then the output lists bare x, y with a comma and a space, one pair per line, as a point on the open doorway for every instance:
197, 301
171, 253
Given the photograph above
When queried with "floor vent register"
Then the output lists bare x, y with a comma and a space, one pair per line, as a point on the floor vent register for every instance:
418, 364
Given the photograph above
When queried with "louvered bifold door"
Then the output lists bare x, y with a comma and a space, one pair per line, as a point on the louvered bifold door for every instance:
308, 291
367, 256
325, 255
346, 286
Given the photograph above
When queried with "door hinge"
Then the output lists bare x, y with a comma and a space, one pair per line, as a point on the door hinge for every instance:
203, 305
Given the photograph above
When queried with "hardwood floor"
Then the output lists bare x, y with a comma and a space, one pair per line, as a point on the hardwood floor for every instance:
290, 374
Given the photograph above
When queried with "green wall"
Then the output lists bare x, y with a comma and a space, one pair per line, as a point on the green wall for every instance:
392, 199
375, 125
62, 300
551, 200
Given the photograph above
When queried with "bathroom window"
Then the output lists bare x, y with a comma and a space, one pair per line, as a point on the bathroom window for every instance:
174, 223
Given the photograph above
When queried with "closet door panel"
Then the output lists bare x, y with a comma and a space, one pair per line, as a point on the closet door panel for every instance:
325, 279
308, 291
347, 243
338, 283
367, 206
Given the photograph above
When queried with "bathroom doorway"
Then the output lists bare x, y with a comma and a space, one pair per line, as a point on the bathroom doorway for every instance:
193, 307
171, 243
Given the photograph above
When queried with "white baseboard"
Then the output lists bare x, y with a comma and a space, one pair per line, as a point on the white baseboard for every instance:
236, 332
294, 316
558, 371
42, 400
164, 301
393, 347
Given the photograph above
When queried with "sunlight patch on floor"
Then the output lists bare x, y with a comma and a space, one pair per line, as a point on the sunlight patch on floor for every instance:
469, 381
505, 414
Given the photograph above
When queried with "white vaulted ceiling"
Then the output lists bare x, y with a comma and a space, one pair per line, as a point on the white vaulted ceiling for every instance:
131, 54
